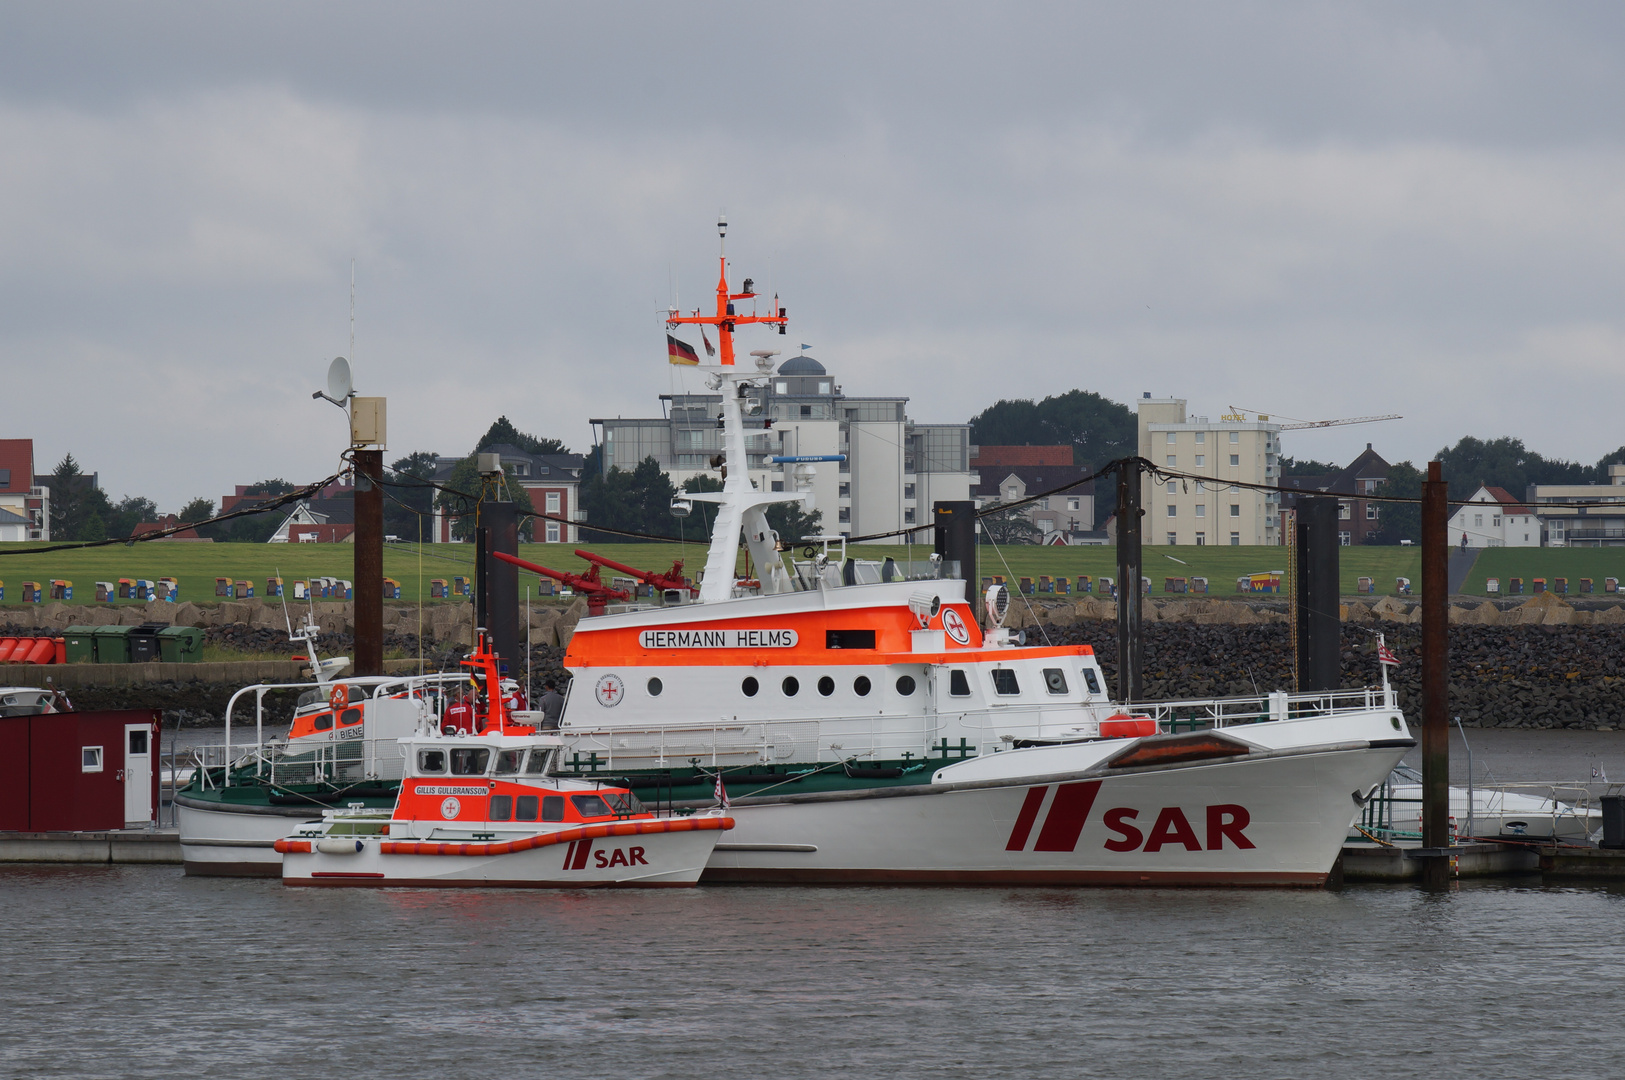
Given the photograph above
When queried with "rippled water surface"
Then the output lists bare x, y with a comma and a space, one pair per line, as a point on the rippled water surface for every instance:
139, 971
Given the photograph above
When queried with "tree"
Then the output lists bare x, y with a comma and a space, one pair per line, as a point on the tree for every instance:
469, 488
791, 523
278, 486
503, 432
408, 498
636, 501
199, 509
1008, 526
65, 500
1400, 521
130, 511
1307, 467
1098, 429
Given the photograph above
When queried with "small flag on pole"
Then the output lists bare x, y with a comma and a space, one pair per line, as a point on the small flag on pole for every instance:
1385, 655
709, 351
680, 353
721, 792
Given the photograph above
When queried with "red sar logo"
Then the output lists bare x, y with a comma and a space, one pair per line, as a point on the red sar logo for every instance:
955, 626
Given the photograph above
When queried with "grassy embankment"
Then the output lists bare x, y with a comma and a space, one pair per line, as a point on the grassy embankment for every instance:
197, 565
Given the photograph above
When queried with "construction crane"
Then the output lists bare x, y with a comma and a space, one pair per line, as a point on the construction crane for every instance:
1325, 423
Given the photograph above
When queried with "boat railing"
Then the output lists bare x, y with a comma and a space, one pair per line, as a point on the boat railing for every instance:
1398, 817
351, 761
1192, 713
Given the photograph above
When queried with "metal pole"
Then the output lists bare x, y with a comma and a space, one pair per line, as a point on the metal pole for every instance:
500, 580
1130, 655
1472, 828
954, 539
1435, 675
369, 562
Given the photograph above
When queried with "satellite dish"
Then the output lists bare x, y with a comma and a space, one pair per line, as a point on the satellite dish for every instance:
339, 386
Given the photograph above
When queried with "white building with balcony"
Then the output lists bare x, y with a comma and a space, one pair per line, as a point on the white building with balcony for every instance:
1568, 523
895, 468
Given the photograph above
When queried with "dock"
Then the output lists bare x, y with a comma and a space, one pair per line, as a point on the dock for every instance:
126, 846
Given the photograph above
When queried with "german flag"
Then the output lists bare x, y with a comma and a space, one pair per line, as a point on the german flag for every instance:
680, 353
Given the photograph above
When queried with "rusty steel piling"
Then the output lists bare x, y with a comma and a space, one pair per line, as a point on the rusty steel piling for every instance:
1130, 648
1435, 677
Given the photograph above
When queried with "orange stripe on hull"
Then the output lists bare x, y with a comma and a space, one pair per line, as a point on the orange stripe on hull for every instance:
563, 836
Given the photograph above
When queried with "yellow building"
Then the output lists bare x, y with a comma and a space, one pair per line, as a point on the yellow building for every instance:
1226, 453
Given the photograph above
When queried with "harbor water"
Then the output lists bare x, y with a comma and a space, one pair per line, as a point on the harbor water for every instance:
122, 971
138, 971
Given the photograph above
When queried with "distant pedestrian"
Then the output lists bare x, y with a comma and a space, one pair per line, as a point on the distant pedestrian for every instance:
1464, 543
551, 705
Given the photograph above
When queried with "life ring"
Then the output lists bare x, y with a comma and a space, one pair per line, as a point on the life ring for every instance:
340, 696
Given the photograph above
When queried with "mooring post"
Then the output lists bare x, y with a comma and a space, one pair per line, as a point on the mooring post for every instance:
1435, 676
954, 537
482, 548
1130, 653
369, 562
1320, 646
501, 580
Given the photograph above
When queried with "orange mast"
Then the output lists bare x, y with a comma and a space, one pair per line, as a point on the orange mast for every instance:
725, 319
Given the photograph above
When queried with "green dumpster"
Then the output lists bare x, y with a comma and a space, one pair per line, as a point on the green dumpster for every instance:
81, 646
180, 644
112, 644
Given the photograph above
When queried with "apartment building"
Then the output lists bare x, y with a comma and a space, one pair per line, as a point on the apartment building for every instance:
1567, 524
1224, 454
895, 467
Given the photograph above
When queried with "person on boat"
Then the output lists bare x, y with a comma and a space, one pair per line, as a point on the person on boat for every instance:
459, 717
551, 704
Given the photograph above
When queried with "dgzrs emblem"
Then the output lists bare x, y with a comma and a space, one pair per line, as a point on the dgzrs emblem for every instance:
609, 691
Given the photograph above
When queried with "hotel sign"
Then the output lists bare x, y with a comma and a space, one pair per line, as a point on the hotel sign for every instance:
718, 639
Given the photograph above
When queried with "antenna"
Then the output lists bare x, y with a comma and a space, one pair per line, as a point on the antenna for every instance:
722, 230
287, 620
352, 309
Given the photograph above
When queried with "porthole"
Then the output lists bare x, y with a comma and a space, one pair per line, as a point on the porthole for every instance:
826, 686
905, 685
791, 686
860, 686
655, 686
749, 686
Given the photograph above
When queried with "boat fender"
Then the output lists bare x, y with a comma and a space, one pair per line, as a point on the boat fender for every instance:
333, 846
340, 696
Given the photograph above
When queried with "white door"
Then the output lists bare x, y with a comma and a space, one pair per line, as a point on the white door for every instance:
137, 774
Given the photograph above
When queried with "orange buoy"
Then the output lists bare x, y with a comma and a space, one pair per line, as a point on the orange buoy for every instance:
340, 696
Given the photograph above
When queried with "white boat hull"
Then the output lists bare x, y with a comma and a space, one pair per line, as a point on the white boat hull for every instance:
601, 856
234, 842
1271, 818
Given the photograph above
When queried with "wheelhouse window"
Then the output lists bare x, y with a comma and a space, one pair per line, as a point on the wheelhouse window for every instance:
1090, 680
849, 639
552, 807
508, 762
431, 761
1055, 680
958, 684
1004, 682
536, 765
590, 806
470, 760
501, 808
625, 803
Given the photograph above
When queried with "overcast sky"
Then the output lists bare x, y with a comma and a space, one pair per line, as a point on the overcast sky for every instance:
1310, 210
